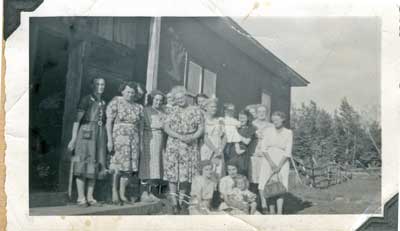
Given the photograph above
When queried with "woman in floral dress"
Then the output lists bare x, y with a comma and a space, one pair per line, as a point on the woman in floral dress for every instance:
184, 125
89, 141
124, 129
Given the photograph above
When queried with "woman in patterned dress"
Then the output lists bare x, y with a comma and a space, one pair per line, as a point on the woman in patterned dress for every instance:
89, 141
124, 131
184, 125
214, 138
150, 170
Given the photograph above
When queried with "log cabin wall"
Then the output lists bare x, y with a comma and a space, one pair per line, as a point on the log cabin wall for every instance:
113, 48
240, 78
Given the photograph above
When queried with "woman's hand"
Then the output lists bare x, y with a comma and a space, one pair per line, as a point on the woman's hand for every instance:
110, 146
71, 144
184, 139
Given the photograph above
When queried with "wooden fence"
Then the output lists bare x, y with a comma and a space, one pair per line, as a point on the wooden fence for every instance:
323, 176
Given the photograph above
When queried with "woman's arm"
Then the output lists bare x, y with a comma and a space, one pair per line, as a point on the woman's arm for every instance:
289, 144
109, 128
282, 162
170, 132
209, 144
198, 133
75, 128
141, 132
270, 161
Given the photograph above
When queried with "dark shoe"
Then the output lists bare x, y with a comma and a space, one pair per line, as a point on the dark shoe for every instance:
264, 211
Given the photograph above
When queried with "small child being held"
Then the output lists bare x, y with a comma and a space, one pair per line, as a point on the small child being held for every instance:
241, 198
231, 125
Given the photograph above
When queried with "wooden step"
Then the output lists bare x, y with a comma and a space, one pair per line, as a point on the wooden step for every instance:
139, 208
47, 199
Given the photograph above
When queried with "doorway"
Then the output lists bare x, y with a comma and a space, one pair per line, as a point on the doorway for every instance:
47, 94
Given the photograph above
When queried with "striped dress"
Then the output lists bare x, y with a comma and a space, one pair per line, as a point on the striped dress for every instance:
150, 166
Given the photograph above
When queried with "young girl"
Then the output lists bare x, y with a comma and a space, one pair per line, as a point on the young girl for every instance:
226, 184
241, 199
203, 187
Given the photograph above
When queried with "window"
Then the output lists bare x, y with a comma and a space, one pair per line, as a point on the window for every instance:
209, 83
200, 80
194, 78
266, 100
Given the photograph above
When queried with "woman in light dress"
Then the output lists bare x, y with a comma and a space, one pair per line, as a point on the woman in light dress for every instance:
124, 132
261, 122
150, 164
203, 187
214, 138
276, 147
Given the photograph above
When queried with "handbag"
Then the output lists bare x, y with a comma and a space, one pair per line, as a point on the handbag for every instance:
274, 188
87, 134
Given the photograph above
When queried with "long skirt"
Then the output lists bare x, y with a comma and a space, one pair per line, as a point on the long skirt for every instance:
150, 163
266, 170
90, 151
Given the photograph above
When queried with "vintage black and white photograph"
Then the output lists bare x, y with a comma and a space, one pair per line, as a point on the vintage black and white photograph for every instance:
204, 115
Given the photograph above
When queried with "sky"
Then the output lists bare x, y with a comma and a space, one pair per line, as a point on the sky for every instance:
340, 57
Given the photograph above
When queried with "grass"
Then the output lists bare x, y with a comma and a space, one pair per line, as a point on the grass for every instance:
361, 194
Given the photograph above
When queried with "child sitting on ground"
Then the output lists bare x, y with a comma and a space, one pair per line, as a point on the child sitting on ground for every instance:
241, 200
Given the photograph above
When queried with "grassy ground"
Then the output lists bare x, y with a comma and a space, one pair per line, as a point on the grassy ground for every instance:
361, 194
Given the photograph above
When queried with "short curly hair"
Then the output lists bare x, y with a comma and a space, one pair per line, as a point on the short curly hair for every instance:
280, 114
238, 178
178, 89
124, 84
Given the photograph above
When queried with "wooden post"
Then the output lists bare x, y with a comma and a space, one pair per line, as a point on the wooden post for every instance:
154, 47
72, 95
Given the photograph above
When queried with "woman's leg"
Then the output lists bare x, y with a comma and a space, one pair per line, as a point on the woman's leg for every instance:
80, 186
115, 198
173, 190
122, 187
91, 184
272, 209
279, 205
264, 204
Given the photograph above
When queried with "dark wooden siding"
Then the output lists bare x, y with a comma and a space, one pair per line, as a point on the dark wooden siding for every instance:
240, 79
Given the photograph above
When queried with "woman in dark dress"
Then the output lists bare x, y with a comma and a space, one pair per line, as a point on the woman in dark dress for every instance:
242, 156
89, 139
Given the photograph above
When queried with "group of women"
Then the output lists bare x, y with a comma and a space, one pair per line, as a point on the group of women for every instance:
207, 160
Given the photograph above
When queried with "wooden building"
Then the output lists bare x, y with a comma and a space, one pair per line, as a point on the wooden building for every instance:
213, 56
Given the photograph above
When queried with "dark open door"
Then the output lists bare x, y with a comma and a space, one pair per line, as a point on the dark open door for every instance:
88, 59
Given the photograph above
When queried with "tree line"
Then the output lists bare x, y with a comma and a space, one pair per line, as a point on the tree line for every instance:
345, 136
